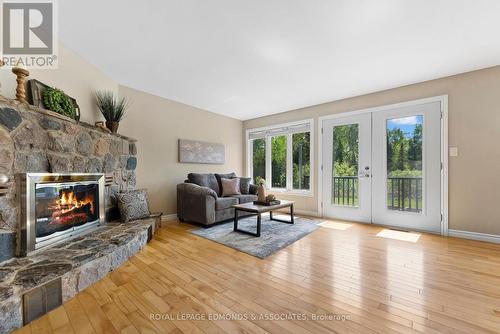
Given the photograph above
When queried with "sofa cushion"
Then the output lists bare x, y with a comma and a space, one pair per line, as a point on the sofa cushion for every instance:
225, 202
245, 185
230, 187
245, 198
223, 176
253, 189
205, 180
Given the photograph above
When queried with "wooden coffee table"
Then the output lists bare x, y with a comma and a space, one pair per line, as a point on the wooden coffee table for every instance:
259, 210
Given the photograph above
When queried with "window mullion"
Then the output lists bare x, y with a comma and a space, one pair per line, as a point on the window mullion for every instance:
250, 159
268, 163
289, 165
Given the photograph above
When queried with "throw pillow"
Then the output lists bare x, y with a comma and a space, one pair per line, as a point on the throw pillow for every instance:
253, 189
223, 176
199, 179
205, 180
230, 187
245, 185
133, 205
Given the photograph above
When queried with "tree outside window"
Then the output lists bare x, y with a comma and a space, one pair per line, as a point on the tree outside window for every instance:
345, 165
278, 161
301, 146
282, 156
259, 159
404, 163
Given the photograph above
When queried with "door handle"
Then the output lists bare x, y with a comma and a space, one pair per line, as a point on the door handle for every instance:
365, 172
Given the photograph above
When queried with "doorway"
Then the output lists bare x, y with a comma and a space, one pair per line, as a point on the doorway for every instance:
384, 166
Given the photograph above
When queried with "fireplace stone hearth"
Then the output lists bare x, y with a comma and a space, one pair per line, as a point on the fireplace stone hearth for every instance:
77, 262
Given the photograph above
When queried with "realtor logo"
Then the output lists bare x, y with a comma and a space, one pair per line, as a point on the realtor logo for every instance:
28, 33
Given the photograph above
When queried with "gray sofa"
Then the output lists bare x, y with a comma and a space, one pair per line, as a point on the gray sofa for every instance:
199, 199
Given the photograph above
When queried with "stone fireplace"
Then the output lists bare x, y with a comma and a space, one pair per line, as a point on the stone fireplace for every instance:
55, 207
34, 140
59, 205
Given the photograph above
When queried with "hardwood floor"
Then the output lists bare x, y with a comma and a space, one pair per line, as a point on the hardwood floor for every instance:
383, 285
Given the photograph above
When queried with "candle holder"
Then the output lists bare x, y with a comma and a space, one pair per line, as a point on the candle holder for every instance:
21, 74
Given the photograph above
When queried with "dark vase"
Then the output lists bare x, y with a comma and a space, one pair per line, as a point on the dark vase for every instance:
113, 126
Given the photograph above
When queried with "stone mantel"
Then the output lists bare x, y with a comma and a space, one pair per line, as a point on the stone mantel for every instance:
30, 108
36, 140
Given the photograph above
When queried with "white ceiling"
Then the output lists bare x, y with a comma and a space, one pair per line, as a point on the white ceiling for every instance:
247, 59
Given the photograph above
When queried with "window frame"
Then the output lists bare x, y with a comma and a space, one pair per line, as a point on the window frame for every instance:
289, 158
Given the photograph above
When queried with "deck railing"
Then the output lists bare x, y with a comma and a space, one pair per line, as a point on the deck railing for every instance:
403, 193
345, 190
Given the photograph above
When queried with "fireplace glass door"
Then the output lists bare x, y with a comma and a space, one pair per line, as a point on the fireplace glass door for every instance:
64, 207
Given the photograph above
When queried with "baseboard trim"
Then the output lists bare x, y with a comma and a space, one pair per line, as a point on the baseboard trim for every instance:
475, 236
168, 218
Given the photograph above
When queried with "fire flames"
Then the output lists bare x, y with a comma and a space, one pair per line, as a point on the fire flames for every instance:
68, 202
69, 209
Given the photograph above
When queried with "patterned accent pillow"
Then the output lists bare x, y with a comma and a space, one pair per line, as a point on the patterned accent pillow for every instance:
245, 185
133, 205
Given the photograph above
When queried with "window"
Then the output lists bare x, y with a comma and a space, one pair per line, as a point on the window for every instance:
301, 148
281, 155
259, 159
278, 161
345, 165
404, 163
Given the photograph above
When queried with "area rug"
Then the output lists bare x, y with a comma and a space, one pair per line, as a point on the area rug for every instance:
273, 236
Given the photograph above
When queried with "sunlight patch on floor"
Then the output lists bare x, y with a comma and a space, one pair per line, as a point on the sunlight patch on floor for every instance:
399, 235
336, 226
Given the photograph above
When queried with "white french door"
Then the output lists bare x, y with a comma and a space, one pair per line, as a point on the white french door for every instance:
384, 167
407, 184
347, 162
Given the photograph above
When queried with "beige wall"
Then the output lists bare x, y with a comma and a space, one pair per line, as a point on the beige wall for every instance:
474, 127
158, 124
75, 76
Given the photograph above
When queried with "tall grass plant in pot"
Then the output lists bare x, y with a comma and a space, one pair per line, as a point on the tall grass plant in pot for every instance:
112, 108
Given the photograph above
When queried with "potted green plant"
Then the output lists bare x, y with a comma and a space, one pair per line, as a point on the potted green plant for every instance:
112, 108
